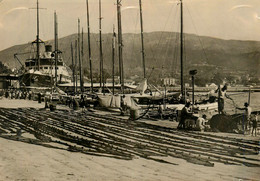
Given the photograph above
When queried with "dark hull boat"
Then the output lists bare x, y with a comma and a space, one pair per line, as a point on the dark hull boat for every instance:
44, 77
44, 67
35, 79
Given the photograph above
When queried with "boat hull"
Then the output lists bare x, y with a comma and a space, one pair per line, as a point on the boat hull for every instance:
35, 80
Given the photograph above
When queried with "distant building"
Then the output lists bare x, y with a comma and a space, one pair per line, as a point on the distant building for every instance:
186, 85
168, 81
8, 80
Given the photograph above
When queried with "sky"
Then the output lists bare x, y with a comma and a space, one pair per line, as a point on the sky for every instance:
226, 19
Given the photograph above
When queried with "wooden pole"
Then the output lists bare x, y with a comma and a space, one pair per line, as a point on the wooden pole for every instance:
249, 96
181, 51
113, 59
142, 37
56, 47
76, 64
79, 57
89, 48
120, 45
101, 51
37, 37
82, 55
73, 68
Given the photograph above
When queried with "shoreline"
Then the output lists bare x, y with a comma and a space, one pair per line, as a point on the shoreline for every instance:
207, 89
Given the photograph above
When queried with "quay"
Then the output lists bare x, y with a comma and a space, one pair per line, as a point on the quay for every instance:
70, 141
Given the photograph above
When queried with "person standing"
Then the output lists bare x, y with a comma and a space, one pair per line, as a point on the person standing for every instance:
254, 121
123, 106
247, 115
185, 114
221, 95
160, 110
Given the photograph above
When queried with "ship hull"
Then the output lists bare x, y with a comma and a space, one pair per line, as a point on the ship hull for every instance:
35, 80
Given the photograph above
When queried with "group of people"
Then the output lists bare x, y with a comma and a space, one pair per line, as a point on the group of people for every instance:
189, 121
248, 119
17, 94
75, 103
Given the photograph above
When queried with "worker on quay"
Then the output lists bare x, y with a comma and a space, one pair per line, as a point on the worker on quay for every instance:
123, 106
200, 123
30, 95
160, 110
185, 114
82, 102
7, 94
246, 116
254, 124
75, 104
39, 98
221, 95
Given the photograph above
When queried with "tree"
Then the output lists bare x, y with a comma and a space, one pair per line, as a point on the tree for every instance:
4, 69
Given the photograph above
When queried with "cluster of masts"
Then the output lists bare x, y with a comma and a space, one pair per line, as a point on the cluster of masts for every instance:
79, 49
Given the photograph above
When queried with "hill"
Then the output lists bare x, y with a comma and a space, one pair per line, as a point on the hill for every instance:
206, 54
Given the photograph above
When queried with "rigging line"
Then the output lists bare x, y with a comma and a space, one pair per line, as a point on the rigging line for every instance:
169, 42
175, 61
197, 34
176, 45
133, 36
106, 43
168, 51
167, 20
208, 30
203, 23
161, 34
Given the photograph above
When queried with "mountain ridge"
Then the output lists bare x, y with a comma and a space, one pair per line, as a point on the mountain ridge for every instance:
161, 52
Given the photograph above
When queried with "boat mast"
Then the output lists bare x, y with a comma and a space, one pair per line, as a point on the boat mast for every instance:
249, 96
101, 50
120, 45
73, 68
76, 68
113, 59
181, 51
89, 49
56, 46
82, 54
37, 41
142, 36
79, 57
37, 38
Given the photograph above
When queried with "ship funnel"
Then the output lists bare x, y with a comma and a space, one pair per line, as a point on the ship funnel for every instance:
48, 48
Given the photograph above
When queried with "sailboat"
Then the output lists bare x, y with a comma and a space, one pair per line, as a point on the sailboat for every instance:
111, 101
174, 101
158, 97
